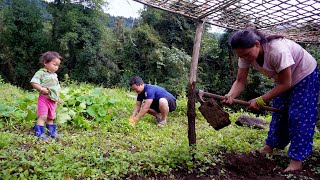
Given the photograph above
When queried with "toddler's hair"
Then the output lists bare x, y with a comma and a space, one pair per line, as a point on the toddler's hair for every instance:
49, 56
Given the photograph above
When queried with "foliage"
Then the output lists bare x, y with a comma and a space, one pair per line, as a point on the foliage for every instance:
126, 22
78, 33
213, 69
155, 62
157, 47
172, 67
22, 39
257, 85
313, 49
1, 80
16, 105
85, 105
174, 30
111, 148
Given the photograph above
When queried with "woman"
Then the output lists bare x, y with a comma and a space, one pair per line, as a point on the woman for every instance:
296, 90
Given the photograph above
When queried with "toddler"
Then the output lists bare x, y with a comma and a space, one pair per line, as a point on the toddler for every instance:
46, 82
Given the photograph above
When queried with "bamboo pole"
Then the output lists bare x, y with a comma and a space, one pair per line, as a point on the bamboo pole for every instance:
192, 84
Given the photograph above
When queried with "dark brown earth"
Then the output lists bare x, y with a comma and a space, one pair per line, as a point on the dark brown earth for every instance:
213, 113
249, 166
245, 166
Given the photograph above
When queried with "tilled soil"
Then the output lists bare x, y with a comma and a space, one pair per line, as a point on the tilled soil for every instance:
250, 166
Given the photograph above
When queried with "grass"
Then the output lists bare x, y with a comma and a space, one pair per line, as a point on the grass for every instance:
109, 148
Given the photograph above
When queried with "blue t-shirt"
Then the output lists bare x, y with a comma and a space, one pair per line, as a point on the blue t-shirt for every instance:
153, 92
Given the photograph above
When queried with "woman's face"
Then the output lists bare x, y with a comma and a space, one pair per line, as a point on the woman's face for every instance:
249, 54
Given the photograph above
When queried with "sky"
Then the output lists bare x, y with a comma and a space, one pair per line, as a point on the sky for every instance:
130, 8
125, 8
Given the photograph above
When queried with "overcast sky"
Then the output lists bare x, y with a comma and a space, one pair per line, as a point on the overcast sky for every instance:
130, 8
125, 8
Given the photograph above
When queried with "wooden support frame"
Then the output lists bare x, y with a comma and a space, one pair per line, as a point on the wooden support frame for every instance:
192, 84
295, 19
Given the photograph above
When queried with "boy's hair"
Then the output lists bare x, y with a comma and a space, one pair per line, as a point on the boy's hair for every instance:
49, 56
136, 80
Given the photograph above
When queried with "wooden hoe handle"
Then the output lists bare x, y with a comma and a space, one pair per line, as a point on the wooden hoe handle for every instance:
237, 101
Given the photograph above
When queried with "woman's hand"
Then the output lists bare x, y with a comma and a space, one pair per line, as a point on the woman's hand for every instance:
227, 99
253, 105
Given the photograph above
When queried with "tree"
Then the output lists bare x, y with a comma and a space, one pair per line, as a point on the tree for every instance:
174, 30
22, 40
212, 68
78, 30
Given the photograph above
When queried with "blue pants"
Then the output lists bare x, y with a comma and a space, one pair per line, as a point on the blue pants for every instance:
295, 125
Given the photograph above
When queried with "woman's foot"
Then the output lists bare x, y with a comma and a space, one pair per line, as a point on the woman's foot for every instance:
294, 166
266, 149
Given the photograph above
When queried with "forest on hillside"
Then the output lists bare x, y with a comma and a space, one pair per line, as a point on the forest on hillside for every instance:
102, 49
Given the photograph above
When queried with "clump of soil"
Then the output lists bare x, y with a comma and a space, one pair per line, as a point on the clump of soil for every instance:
214, 114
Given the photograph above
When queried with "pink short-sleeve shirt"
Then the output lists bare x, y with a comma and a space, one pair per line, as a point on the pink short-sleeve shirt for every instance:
280, 54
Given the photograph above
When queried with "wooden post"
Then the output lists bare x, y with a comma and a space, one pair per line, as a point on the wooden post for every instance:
192, 85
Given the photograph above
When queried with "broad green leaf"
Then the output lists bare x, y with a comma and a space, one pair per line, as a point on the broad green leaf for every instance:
31, 115
63, 117
72, 113
102, 112
83, 105
19, 114
92, 110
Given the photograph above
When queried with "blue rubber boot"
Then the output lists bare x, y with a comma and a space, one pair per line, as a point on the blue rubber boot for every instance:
52, 130
39, 132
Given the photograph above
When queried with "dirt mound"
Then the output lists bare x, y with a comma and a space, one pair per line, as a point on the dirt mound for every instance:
250, 166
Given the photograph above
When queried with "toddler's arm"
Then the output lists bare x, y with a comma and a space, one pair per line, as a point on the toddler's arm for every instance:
38, 87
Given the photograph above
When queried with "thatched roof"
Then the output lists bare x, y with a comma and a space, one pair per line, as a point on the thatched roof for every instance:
296, 19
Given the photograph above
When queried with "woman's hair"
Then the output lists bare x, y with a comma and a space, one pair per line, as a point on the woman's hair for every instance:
49, 56
136, 80
248, 37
